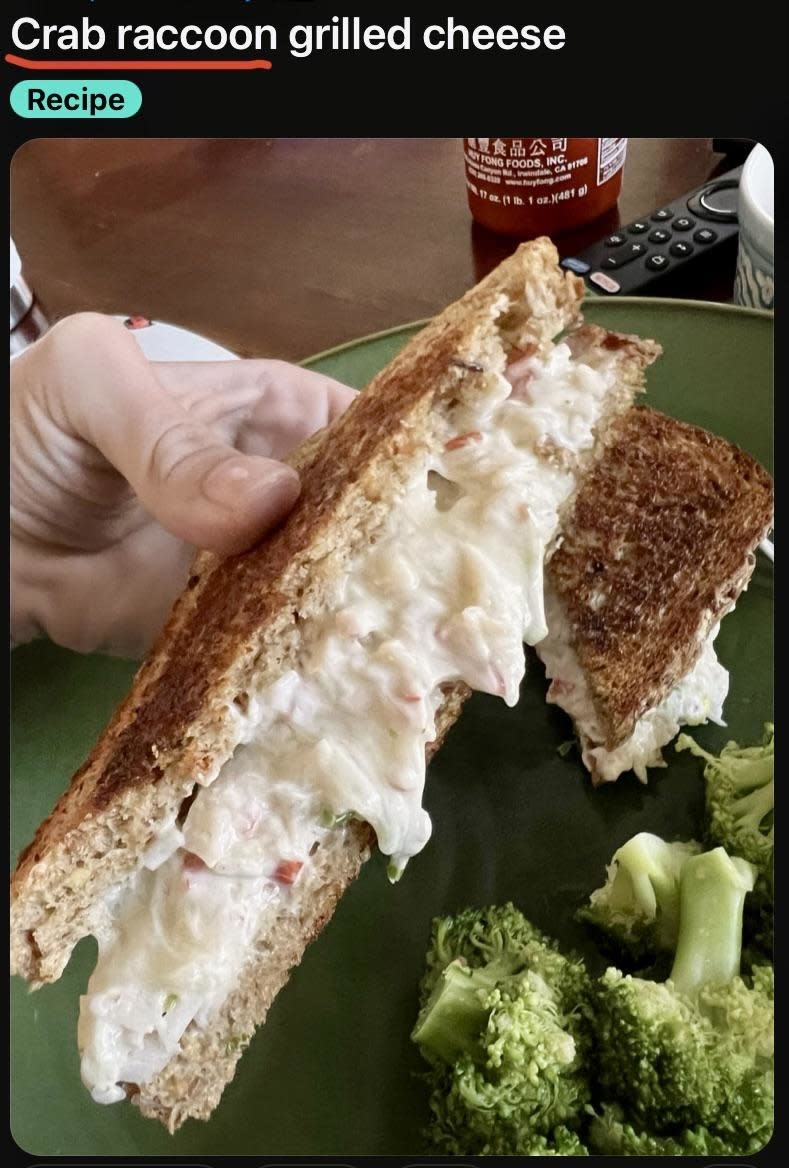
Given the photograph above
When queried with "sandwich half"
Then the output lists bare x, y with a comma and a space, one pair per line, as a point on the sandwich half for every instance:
657, 546
280, 726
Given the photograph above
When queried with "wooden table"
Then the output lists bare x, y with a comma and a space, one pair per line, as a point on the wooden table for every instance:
282, 246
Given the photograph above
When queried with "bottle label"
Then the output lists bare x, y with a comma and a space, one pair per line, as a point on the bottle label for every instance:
610, 158
527, 171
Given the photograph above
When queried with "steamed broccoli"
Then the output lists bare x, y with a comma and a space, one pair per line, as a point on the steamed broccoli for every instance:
740, 796
611, 1133
762, 978
504, 1024
562, 1141
695, 1051
638, 907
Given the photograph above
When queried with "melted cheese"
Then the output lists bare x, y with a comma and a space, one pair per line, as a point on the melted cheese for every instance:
698, 697
449, 592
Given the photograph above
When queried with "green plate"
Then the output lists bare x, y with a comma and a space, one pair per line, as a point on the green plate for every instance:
333, 1072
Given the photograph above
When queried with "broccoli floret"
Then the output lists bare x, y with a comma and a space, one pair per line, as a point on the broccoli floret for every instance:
504, 1024
499, 937
763, 980
611, 1134
696, 1050
637, 909
740, 797
560, 1142
454, 1016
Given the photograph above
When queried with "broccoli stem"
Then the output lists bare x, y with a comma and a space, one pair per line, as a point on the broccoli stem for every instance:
756, 805
747, 772
651, 866
712, 893
454, 1015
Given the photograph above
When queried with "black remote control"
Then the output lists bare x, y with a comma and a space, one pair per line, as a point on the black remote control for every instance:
668, 241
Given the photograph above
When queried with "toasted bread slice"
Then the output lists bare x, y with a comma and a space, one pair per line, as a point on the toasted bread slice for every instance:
240, 625
656, 549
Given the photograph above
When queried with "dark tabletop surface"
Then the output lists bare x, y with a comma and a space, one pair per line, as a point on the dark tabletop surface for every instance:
284, 246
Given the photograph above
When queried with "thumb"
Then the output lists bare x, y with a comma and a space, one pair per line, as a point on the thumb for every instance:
200, 489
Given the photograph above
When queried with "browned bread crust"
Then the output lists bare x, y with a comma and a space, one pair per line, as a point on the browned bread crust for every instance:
655, 551
238, 626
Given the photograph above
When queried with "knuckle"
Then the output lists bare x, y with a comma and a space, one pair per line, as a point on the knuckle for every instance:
82, 326
178, 443
83, 335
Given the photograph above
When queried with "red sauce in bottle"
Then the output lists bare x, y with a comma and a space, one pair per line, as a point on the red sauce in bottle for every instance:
542, 186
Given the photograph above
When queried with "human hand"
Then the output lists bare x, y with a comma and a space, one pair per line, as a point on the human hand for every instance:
121, 468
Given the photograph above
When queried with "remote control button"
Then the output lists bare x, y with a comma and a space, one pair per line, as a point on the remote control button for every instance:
663, 215
615, 240
681, 248
605, 282
683, 223
659, 235
638, 228
625, 256
720, 201
573, 264
705, 235
657, 263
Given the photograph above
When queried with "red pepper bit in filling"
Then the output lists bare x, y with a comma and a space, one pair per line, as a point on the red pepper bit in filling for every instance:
287, 871
192, 864
137, 322
463, 440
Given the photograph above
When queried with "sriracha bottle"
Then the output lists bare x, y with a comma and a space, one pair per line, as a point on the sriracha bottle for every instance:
526, 187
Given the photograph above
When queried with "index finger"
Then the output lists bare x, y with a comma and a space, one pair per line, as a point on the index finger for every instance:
263, 406
199, 383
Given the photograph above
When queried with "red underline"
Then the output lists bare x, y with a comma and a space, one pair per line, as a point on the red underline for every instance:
121, 66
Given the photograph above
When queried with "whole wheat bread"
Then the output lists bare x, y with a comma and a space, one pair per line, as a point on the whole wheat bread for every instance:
239, 625
655, 550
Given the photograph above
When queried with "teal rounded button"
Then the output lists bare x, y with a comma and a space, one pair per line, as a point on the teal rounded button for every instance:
75, 99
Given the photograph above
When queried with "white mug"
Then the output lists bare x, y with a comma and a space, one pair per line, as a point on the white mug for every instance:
755, 282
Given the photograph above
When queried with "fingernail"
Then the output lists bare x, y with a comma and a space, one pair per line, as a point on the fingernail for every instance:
232, 482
